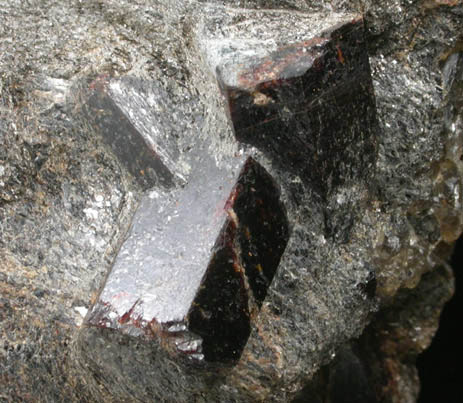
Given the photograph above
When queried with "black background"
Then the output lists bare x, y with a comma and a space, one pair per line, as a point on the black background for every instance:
438, 365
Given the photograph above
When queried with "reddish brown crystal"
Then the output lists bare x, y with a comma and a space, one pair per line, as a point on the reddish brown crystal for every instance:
310, 106
195, 290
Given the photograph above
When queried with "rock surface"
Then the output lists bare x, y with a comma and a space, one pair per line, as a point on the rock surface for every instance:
358, 261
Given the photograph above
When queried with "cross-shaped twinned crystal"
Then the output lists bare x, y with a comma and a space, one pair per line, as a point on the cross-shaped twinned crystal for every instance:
208, 237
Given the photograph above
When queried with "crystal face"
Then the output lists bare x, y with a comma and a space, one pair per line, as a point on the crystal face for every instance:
137, 132
199, 266
310, 106
244, 260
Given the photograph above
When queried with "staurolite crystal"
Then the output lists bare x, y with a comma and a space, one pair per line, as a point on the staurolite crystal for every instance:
190, 280
149, 153
200, 256
308, 104
198, 260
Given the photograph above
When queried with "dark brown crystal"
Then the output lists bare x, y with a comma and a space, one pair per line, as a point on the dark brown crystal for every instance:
203, 310
311, 107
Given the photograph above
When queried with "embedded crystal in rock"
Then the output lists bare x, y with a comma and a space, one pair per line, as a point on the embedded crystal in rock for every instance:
308, 104
198, 261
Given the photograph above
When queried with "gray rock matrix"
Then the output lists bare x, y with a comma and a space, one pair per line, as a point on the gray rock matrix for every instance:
359, 288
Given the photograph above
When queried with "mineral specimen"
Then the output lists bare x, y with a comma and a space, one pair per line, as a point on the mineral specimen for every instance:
104, 104
196, 267
198, 262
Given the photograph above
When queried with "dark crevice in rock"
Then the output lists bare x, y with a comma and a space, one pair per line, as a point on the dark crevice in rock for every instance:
379, 366
344, 380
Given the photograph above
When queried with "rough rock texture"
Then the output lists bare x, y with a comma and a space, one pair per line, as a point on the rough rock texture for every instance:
66, 202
